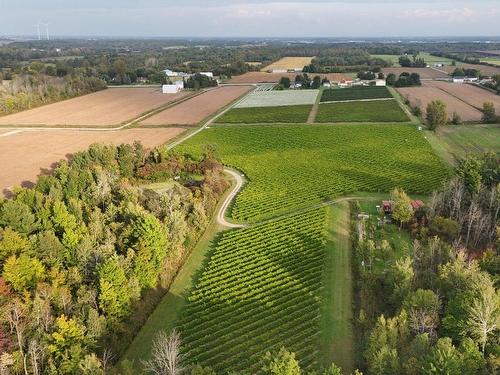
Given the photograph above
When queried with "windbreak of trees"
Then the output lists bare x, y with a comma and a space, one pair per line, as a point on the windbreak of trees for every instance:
86, 254
436, 308
405, 79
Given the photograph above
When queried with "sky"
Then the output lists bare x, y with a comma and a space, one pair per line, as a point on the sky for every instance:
252, 18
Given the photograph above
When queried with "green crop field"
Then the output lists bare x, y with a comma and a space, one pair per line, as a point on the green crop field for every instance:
355, 93
294, 166
370, 111
284, 114
260, 291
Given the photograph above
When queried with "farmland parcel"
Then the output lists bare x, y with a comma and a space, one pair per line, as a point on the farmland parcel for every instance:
24, 155
104, 108
422, 96
370, 111
355, 93
288, 63
425, 73
283, 114
262, 77
278, 98
195, 110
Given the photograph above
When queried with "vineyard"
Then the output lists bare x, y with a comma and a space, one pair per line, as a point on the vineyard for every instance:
294, 166
370, 111
355, 93
284, 114
260, 291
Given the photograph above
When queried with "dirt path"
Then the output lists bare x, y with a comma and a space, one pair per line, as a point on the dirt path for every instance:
313, 113
221, 215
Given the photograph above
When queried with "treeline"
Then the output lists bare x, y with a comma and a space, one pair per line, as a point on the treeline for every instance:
433, 308
342, 60
88, 251
28, 91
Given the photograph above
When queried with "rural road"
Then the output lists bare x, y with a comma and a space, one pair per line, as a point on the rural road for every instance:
221, 217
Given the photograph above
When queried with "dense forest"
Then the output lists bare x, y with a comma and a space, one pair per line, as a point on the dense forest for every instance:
432, 307
87, 253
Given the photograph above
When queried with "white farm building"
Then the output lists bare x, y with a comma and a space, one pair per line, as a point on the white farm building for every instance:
173, 88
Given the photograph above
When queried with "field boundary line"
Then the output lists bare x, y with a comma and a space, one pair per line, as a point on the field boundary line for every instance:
358, 100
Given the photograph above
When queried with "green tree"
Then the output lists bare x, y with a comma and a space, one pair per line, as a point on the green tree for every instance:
200, 370
444, 359
489, 113
18, 216
281, 363
402, 210
423, 308
114, 298
23, 272
12, 243
436, 114
285, 82
316, 83
391, 79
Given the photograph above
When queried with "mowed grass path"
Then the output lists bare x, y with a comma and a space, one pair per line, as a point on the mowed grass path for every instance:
282, 114
294, 166
361, 111
337, 336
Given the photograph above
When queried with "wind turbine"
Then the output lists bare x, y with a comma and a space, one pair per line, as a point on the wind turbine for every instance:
47, 30
38, 30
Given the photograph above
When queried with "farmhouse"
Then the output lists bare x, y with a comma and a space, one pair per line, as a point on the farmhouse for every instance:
464, 79
207, 74
173, 88
380, 82
387, 206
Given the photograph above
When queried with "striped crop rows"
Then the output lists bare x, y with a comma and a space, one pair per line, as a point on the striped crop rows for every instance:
260, 291
291, 166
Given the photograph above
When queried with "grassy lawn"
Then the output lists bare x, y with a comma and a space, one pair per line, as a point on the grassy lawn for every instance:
284, 114
374, 111
355, 93
454, 142
337, 337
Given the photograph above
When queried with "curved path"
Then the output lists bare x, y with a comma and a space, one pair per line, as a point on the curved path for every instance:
221, 215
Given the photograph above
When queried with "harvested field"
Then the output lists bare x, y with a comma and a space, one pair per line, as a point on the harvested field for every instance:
422, 96
108, 107
279, 98
484, 69
425, 73
471, 94
195, 110
28, 153
262, 77
289, 63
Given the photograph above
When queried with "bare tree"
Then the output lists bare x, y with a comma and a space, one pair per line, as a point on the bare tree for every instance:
484, 316
166, 358
36, 354
15, 316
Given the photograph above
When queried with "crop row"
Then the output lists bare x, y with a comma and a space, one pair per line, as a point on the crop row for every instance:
259, 291
290, 167
355, 93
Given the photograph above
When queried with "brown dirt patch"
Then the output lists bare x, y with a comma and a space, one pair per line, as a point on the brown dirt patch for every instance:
422, 96
484, 69
425, 73
196, 109
262, 77
473, 95
108, 107
27, 154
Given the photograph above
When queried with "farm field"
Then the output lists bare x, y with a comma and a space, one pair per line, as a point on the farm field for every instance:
429, 59
491, 60
282, 114
278, 98
288, 63
425, 73
475, 96
355, 93
195, 110
484, 69
422, 96
263, 77
112, 106
361, 111
259, 291
294, 166
458, 141
26, 154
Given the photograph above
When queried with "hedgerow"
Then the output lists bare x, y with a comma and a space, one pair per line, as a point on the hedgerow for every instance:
294, 166
260, 291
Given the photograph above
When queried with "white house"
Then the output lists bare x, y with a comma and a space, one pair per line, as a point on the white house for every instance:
380, 82
208, 74
173, 88
464, 79
327, 84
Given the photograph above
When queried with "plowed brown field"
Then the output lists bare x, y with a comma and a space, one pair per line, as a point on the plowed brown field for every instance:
421, 96
27, 154
197, 109
261, 77
108, 107
473, 95
425, 73
486, 70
